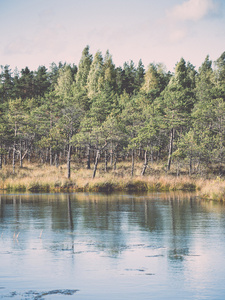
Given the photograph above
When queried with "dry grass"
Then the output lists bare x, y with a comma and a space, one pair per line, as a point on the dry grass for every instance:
33, 178
45, 178
213, 190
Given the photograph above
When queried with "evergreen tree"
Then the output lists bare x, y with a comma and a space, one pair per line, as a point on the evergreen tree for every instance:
220, 76
129, 76
63, 89
178, 101
155, 81
6, 84
131, 120
17, 123
109, 73
140, 73
83, 68
115, 111
41, 81
27, 83
54, 73
119, 73
95, 77
205, 82
6, 135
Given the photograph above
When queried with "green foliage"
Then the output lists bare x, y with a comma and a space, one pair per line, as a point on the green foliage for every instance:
84, 68
95, 76
155, 81
122, 110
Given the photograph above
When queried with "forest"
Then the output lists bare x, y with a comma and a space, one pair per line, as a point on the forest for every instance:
97, 112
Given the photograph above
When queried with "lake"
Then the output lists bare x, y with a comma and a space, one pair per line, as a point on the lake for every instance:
93, 246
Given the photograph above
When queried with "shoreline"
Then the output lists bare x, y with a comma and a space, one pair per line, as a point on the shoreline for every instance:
46, 179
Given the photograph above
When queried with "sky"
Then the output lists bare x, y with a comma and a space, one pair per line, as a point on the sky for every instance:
39, 32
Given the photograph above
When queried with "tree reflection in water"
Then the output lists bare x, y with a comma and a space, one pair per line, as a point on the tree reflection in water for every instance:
112, 238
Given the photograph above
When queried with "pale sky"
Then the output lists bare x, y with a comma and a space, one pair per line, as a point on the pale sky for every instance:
39, 32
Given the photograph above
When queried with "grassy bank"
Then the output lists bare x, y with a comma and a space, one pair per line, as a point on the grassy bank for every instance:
43, 178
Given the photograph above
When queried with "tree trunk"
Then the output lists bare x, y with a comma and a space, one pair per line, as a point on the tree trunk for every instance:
96, 163
190, 166
50, 148
88, 157
56, 160
198, 165
178, 169
64, 152
145, 164
115, 161
1, 158
132, 167
14, 149
8, 158
4, 159
21, 159
29, 155
93, 156
111, 155
69, 161
152, 158
170, 149
70, 216
98, 152
106, 160
139, 153
41, 158
158, 156
46, 157
13, 158
50, 156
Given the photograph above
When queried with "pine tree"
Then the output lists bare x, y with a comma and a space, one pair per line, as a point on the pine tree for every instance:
220, 76
6, 84
41, 81
63, 89
83, 68
205, 83
129, 76
95, 77
27, 83
178, 101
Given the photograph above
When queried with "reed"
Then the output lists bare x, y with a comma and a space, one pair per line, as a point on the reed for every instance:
213, 190
44, 178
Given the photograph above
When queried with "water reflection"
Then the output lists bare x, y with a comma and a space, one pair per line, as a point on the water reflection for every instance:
102, 243
70, 217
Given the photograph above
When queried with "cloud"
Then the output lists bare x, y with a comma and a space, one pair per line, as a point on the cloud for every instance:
182, 20
193, 10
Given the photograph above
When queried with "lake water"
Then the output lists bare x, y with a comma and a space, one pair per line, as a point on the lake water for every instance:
91, 246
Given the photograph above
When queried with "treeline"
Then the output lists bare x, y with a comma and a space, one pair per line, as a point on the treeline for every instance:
98, 111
